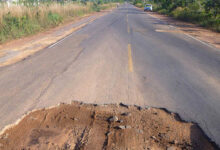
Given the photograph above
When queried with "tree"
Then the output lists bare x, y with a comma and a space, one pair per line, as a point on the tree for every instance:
212, 6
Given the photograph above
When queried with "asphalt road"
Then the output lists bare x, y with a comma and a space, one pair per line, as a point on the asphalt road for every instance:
120, 57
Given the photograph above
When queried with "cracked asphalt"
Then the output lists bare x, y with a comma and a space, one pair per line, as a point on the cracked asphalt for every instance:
119, 57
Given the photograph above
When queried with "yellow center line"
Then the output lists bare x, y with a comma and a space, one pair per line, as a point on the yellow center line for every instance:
128, 28
130, 62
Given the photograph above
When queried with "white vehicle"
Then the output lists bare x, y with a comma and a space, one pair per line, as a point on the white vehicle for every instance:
148, 7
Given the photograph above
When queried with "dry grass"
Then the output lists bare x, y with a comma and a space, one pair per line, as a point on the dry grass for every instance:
65, 10
18, 21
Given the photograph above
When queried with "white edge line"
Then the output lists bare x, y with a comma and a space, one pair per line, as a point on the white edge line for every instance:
186, 33
89, 22
59, 41
54, 44
199, 40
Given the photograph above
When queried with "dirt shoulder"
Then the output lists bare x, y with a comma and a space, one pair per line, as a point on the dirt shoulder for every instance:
90, 126
208, 36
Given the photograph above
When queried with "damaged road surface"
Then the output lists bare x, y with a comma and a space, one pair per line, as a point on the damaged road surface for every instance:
107, 127
123, 56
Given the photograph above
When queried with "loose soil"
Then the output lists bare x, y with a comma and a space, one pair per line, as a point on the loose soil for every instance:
89, 126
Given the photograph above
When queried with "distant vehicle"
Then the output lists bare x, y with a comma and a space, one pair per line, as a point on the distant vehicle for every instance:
148, 7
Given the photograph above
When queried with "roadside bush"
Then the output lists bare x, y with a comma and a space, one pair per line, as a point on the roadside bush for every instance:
156, 7
211, 23
201, 18
205, 13
177, 12
187, 14
96, 7
17, 21
15, 27
139, 5
54, 19
163, 11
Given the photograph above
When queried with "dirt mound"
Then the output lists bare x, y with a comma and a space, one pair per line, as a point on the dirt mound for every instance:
86, 126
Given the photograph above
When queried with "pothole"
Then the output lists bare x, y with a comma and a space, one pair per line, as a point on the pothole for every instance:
113, 126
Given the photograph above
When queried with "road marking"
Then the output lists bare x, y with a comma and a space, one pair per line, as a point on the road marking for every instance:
180, 31
199, 40
75, 30
184, 33
168, 30
130, 62
54, 44
128, 28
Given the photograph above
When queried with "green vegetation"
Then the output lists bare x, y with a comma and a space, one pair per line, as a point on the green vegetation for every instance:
138, 3
203, 12
21, 20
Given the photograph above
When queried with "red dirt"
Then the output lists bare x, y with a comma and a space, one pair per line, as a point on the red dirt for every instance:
86, 126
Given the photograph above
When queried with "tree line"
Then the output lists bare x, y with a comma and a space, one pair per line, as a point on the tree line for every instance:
210, 6
203, 12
